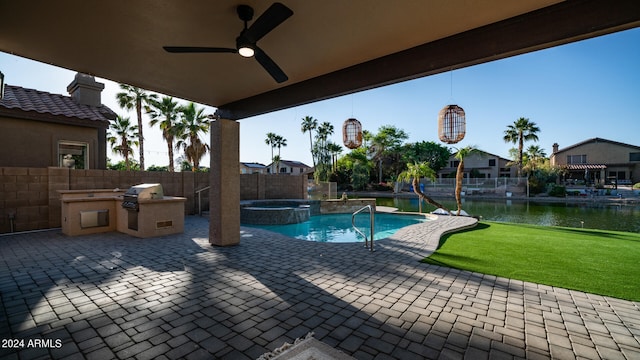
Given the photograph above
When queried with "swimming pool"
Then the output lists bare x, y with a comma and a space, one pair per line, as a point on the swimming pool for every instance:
337, 227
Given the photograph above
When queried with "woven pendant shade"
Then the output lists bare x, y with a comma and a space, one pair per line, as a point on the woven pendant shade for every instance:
352, 133
451, 124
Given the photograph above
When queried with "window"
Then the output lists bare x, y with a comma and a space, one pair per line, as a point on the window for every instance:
576, 159
74, 155
492, 162
455, 163
619, 175
634, 156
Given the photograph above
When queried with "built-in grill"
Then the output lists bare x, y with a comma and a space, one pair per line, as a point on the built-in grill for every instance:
144, 211
141, 192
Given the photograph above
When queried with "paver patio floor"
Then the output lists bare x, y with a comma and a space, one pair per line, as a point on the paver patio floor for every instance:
110, 296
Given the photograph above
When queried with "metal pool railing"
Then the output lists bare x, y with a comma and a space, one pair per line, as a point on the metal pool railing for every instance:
371, 221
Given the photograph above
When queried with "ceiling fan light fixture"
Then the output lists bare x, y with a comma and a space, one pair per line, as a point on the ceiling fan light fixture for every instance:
246, 46
246, 51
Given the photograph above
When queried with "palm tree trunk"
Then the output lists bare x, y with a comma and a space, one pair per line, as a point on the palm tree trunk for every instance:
195, 165
422, 196
313, 158
140, 136
127, 165
170, 148
272, 158
459, 178
520, 148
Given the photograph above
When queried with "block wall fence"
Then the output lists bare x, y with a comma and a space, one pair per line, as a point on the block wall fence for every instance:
29, 198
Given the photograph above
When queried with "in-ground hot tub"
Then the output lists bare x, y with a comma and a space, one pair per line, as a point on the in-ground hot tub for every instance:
275, 212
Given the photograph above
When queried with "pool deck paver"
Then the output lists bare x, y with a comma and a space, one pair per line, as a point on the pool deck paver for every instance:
114, 296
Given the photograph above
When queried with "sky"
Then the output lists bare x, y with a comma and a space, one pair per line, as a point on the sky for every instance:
572, 92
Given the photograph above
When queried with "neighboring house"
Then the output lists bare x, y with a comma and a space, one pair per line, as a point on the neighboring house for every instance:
289, 167
40, 129
599, 161
479, 164
252, 168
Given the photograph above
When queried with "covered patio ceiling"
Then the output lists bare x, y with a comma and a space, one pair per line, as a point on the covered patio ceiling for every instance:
326, 48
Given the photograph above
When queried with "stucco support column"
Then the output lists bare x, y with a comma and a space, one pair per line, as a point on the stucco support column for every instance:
224, 176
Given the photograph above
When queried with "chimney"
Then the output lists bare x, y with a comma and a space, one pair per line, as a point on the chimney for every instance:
85, 90
555, 147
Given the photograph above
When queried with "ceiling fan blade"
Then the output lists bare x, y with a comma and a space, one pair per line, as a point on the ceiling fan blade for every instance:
272, 17
197, 49
272, 68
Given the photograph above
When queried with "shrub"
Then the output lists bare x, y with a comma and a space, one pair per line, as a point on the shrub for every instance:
382, 187
536, 185
558, 191
636, 185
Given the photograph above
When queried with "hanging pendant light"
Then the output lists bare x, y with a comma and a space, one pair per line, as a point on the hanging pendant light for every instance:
451, 124
352, 133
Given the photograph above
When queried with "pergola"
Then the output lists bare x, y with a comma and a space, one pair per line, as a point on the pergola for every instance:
326, 48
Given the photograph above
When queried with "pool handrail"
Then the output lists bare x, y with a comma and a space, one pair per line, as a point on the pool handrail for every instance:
371, 221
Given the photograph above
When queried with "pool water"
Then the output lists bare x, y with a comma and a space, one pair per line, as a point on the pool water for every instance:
337, 227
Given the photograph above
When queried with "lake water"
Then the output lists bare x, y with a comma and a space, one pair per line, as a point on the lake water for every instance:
604, 216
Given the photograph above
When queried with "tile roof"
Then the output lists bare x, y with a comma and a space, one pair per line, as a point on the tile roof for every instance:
293, 163
253, 165
597, 140
585, 166
19, 98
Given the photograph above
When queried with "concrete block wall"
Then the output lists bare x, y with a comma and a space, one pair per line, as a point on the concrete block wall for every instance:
24, 199
29, 198
285, 187
270, 186
252, 186
337, 206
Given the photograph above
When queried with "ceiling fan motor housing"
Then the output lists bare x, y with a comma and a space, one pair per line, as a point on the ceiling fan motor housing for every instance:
245, 13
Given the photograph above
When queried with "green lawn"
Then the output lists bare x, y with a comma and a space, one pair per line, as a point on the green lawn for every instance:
594, 261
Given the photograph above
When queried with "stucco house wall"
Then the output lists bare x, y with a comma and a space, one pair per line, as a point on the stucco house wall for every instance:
609, 160
597, 152
252, 168
487, 164
289, 167
35, 143
37, 128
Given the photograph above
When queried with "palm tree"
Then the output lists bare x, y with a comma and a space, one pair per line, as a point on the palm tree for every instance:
165, 113
132, 97
271, 141
522, 130
366, 136
276, 160
388, 139
413, 174
460, 155
193, 121
335, 150
124, 134
533, 158
535, 152
279, 143
308, 125
322, 171
324, 130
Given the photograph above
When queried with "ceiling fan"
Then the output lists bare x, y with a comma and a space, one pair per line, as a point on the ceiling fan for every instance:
246, 45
